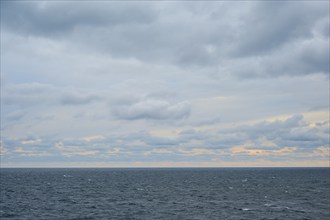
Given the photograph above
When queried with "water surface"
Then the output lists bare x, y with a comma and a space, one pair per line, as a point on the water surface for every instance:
176, 193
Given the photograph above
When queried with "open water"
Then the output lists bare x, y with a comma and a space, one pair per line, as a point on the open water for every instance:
176, 193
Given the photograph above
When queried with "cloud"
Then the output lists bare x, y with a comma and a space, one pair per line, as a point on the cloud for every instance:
274, 135
271, 140
92, 138
78, 99
275, 24
168, 82
149, 108
15, 116
222, 37
263, 152
70, 151
40, 18
32, 94
28, 94
31, 153
3, 150
29, 147
305, 57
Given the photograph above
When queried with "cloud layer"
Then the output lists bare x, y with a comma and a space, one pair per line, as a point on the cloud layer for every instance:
167, 83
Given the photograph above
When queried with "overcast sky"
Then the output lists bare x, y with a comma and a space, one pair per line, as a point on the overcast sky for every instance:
177, 83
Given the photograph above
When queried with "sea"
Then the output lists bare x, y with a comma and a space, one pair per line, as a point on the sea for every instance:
165, 193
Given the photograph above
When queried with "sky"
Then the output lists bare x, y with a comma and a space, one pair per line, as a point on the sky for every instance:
164, 83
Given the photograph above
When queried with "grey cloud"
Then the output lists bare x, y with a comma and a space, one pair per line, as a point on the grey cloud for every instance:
294, 131
272, 129
28, 94
274, 23
15, 116
90, 115
139, 73
155, 109
303, 57
144, 36
323, 27
52, 18
32, 94
30, 144
191, 134
314, 57
45, 117
207, 121
161, 142
12, 117
242, 41
78, 99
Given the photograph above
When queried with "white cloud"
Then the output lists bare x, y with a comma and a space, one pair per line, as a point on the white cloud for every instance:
152, 109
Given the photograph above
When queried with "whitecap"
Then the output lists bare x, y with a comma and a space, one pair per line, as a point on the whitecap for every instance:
65, 175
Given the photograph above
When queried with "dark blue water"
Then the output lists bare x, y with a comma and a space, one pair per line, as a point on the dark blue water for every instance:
218, 193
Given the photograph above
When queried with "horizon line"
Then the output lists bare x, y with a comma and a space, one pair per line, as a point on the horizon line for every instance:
159, 167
